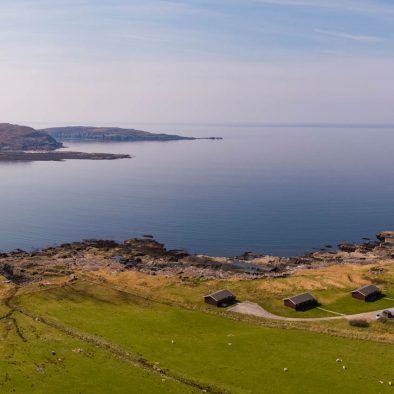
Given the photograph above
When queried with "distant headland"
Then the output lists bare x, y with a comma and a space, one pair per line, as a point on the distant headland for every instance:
88, 133
23, 143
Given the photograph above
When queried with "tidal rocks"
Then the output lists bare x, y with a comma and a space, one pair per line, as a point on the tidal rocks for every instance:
148, 256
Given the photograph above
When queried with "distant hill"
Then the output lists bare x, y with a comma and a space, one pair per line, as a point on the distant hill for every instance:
15, 138
109, 134
23, 138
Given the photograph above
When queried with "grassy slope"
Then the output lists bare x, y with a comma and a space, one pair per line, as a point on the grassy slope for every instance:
28, 366
331, 285
254, 361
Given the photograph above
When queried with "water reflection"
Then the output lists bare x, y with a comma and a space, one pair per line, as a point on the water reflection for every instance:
277, 191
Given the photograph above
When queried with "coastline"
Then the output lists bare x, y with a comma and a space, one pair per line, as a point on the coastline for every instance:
146, 255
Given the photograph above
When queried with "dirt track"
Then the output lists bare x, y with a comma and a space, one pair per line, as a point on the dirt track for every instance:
251, 308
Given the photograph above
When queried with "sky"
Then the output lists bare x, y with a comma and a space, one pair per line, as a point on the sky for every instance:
205, 61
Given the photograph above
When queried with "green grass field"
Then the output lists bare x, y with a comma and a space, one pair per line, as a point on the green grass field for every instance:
27, 365
230, 356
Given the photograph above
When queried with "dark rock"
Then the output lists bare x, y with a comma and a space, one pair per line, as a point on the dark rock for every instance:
347, 247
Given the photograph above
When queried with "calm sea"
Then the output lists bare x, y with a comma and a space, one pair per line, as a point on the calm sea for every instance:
269, 190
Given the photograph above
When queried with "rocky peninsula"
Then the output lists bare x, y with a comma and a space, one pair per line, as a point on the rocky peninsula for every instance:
151, 257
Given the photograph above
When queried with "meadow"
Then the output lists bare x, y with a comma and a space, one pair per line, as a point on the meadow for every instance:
191, 347
36, 358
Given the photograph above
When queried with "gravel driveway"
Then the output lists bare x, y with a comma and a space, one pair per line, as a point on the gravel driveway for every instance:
251, 308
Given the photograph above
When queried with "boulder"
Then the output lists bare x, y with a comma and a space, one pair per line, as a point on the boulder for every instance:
347, 247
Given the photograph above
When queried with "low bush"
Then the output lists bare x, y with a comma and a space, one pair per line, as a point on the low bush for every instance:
359, 323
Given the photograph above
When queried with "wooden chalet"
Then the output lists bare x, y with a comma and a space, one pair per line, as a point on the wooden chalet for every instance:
220, 298
301, 302
367, 293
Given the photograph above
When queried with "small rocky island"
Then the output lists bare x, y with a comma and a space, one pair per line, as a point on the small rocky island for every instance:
23, 143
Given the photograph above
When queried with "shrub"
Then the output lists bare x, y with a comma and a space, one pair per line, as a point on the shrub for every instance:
359, 323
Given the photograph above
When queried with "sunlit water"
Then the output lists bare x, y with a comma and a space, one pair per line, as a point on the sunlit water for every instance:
276, 191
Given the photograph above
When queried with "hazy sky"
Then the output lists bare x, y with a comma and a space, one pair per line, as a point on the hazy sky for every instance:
91, 61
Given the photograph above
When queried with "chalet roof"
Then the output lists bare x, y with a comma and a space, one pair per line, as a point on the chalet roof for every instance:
367, 290
301, 298
221, 295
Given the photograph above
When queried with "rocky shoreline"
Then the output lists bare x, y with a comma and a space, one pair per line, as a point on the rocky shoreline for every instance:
58, 156
151, 257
